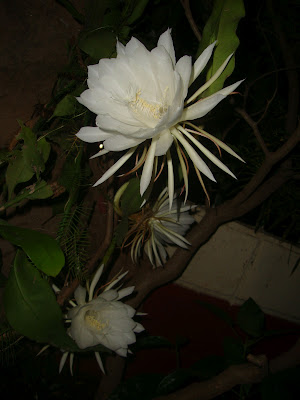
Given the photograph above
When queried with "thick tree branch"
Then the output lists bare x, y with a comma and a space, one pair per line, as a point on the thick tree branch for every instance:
252, 372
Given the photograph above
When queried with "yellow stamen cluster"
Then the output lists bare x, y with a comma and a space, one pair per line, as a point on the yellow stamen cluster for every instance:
142, 106
92, 321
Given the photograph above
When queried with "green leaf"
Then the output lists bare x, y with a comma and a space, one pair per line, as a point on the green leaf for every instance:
17, 171
251, 319
221, 26
113, 15
39, 190
44, 148
42, 249
100, 43
217, 311
174, 381
94, 13
5, 155
137, 11
3, 280
65, 107
31, 152
30, 304
121, 230
31, 308
131, 199
233, 351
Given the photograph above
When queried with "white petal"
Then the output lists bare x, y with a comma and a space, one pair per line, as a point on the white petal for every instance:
43, 349
63, 361
80, 295
120, 48
170, 179
197, 160
202, 61
148, 167
211, 80
122, 352
133, 45
95, 281
184, 68
202, 107
71, 363
115, 167
99, 154
119, 143
166, 41
164, 142
183, 170
113, 125
139, 328
110, 295
115, 281
223, 146
99, 361
228, 89
125, 292
92, 134
171, 236
208, 154
148, 251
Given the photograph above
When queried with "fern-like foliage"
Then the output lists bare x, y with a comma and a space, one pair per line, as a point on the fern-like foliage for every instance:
9, 340
72, 237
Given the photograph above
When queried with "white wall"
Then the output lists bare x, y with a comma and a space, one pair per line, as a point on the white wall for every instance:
237, 263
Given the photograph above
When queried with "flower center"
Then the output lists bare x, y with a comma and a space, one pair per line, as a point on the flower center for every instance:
91, 320
146, 109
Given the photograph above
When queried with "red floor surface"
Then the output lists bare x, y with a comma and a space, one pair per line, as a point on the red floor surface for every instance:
173, 312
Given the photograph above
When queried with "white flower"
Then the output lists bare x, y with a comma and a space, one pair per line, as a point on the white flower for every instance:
103, 320
159, 226
140, 96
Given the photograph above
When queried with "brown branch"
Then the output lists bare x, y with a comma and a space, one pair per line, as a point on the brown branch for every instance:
114, 367
189, 15
255, 129
252, 372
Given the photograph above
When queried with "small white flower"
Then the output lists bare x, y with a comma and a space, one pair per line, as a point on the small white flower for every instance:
159, 226
140, 96
103, 320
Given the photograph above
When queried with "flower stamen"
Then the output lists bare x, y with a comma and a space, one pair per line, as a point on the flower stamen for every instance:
145, 108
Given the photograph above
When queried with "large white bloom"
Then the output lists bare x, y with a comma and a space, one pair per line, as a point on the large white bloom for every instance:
139, 96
